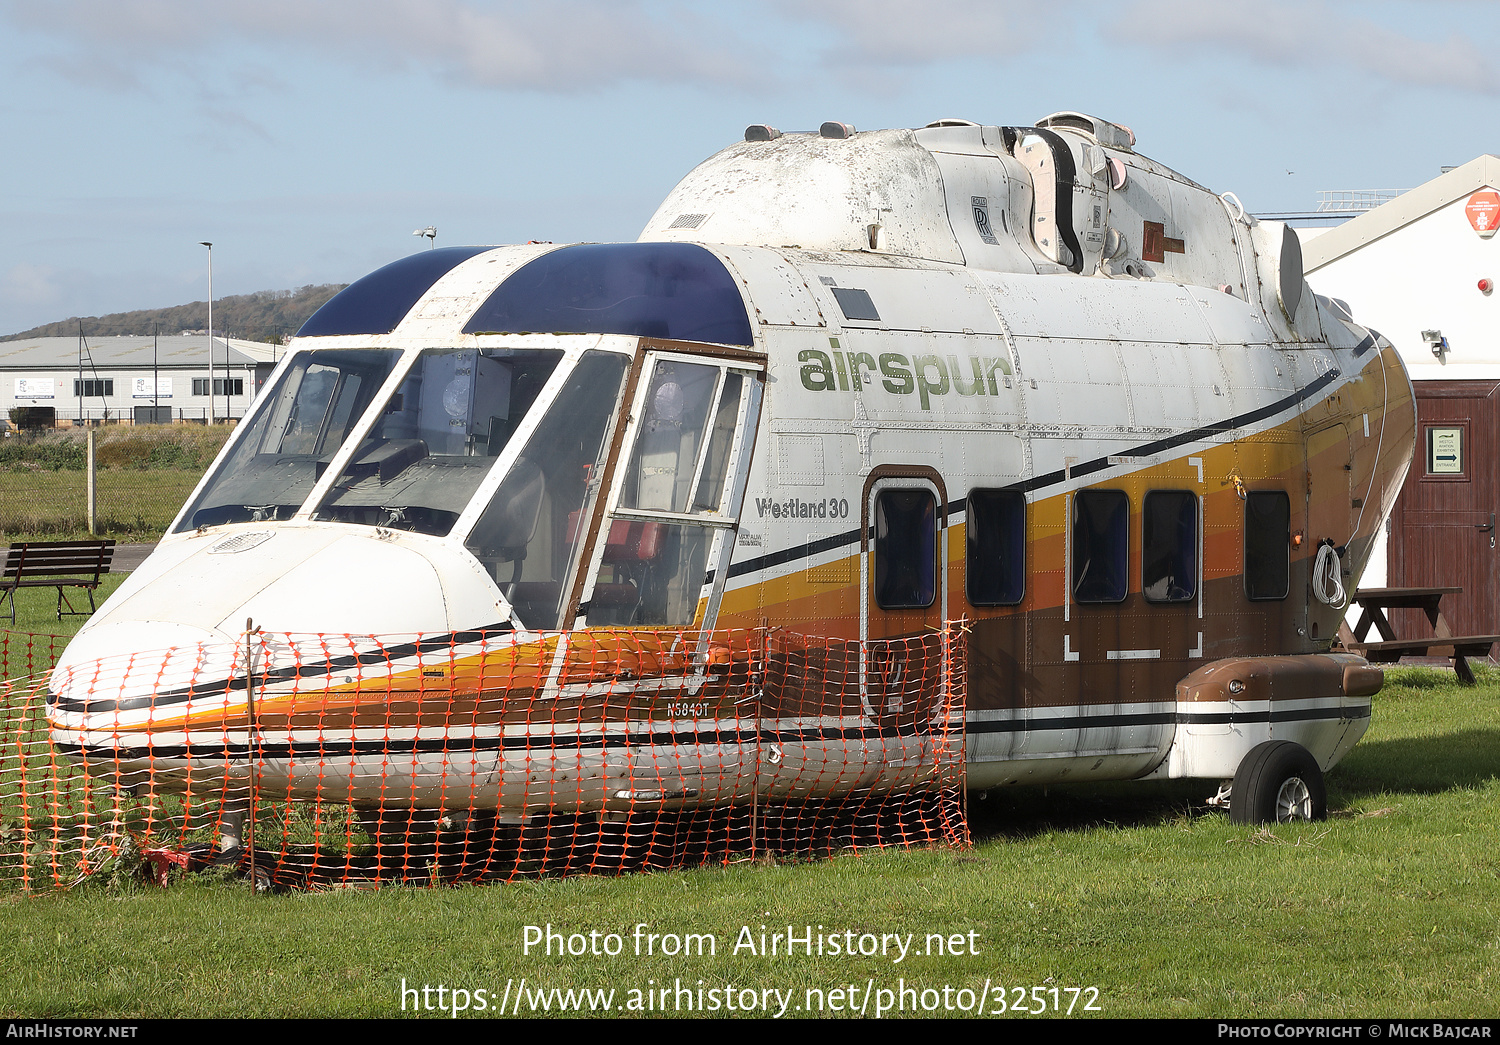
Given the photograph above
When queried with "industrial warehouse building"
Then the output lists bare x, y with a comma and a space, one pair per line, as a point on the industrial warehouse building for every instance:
1421, 269
131, 378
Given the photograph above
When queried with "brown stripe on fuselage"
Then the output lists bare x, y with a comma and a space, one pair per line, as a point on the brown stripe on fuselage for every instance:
1016, 654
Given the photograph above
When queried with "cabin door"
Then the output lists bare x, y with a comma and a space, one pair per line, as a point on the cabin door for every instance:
1443, 531
1331, 512
678, 487
903, 555
903, 588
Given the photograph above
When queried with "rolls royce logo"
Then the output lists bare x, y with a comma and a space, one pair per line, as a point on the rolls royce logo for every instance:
981, 205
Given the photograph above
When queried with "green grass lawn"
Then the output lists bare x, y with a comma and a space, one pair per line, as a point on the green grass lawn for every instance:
132, 504
1390, 908
145, 474
36, 608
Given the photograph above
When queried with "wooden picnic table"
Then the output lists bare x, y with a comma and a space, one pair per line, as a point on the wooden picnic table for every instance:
1373, 604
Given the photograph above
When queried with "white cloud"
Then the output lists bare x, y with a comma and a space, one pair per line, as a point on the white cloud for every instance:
1317, 33
901, 33
517, 44
568, 46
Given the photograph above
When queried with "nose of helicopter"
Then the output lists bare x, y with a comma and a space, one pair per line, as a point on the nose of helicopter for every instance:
314, 580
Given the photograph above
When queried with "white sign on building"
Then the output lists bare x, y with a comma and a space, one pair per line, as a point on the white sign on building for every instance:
147, 388
35, 388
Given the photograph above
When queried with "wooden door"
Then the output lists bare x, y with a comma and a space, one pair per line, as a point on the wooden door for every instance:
1442, 529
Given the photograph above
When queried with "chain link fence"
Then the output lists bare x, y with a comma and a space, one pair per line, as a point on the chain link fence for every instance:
143, 475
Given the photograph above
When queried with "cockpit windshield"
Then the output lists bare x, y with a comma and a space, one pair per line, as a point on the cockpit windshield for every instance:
431, 444
437, 438
427, 450
292, 437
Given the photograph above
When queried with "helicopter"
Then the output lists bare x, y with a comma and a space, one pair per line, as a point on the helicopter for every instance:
551, 500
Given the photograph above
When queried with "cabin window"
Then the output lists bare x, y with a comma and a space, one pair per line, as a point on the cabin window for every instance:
905, 549
1268, 544
1169, 546
1101, 530
995, 561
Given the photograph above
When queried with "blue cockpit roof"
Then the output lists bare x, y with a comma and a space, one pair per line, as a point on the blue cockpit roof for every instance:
376, 304
677, 291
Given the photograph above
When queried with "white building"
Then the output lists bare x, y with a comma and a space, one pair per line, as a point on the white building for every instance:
1422, 270
130, 377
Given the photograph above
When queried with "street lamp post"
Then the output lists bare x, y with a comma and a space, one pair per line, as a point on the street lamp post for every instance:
210, 247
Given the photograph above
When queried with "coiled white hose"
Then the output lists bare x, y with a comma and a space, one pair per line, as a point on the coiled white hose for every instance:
1328, 584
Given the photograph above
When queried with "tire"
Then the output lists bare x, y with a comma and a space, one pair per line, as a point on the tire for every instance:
1278, 782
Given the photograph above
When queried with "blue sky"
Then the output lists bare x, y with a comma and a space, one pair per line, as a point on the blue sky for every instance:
308, 138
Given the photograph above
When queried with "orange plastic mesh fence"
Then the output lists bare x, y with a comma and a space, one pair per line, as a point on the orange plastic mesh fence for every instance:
23, 655
324, 760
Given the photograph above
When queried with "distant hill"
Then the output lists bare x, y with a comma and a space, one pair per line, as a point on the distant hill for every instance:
268, 315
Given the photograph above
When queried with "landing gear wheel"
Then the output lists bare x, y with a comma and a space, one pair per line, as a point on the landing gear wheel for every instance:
1278, 782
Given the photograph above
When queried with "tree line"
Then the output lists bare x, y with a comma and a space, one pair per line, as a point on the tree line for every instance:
267, 315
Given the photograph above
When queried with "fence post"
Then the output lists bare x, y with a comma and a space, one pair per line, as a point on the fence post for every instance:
756, 682
250, 632
93, 489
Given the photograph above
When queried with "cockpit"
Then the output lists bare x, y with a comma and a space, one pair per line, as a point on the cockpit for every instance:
509, 444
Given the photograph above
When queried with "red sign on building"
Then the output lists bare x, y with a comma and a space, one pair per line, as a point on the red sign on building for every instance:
1483, 210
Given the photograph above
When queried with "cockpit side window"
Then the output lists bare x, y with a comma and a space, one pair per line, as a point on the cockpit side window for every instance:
667, 448
530, 531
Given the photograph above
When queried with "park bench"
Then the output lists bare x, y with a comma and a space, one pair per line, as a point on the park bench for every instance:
56, 564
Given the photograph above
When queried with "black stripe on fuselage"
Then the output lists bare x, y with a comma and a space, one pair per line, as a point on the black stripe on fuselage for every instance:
318, 750
1039, 482
312, 669
1041, 724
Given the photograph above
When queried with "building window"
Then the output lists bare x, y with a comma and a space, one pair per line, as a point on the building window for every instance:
94, 386
1169, 546
236, 386
905, 549
995, 562
1268, 544
1101, 531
